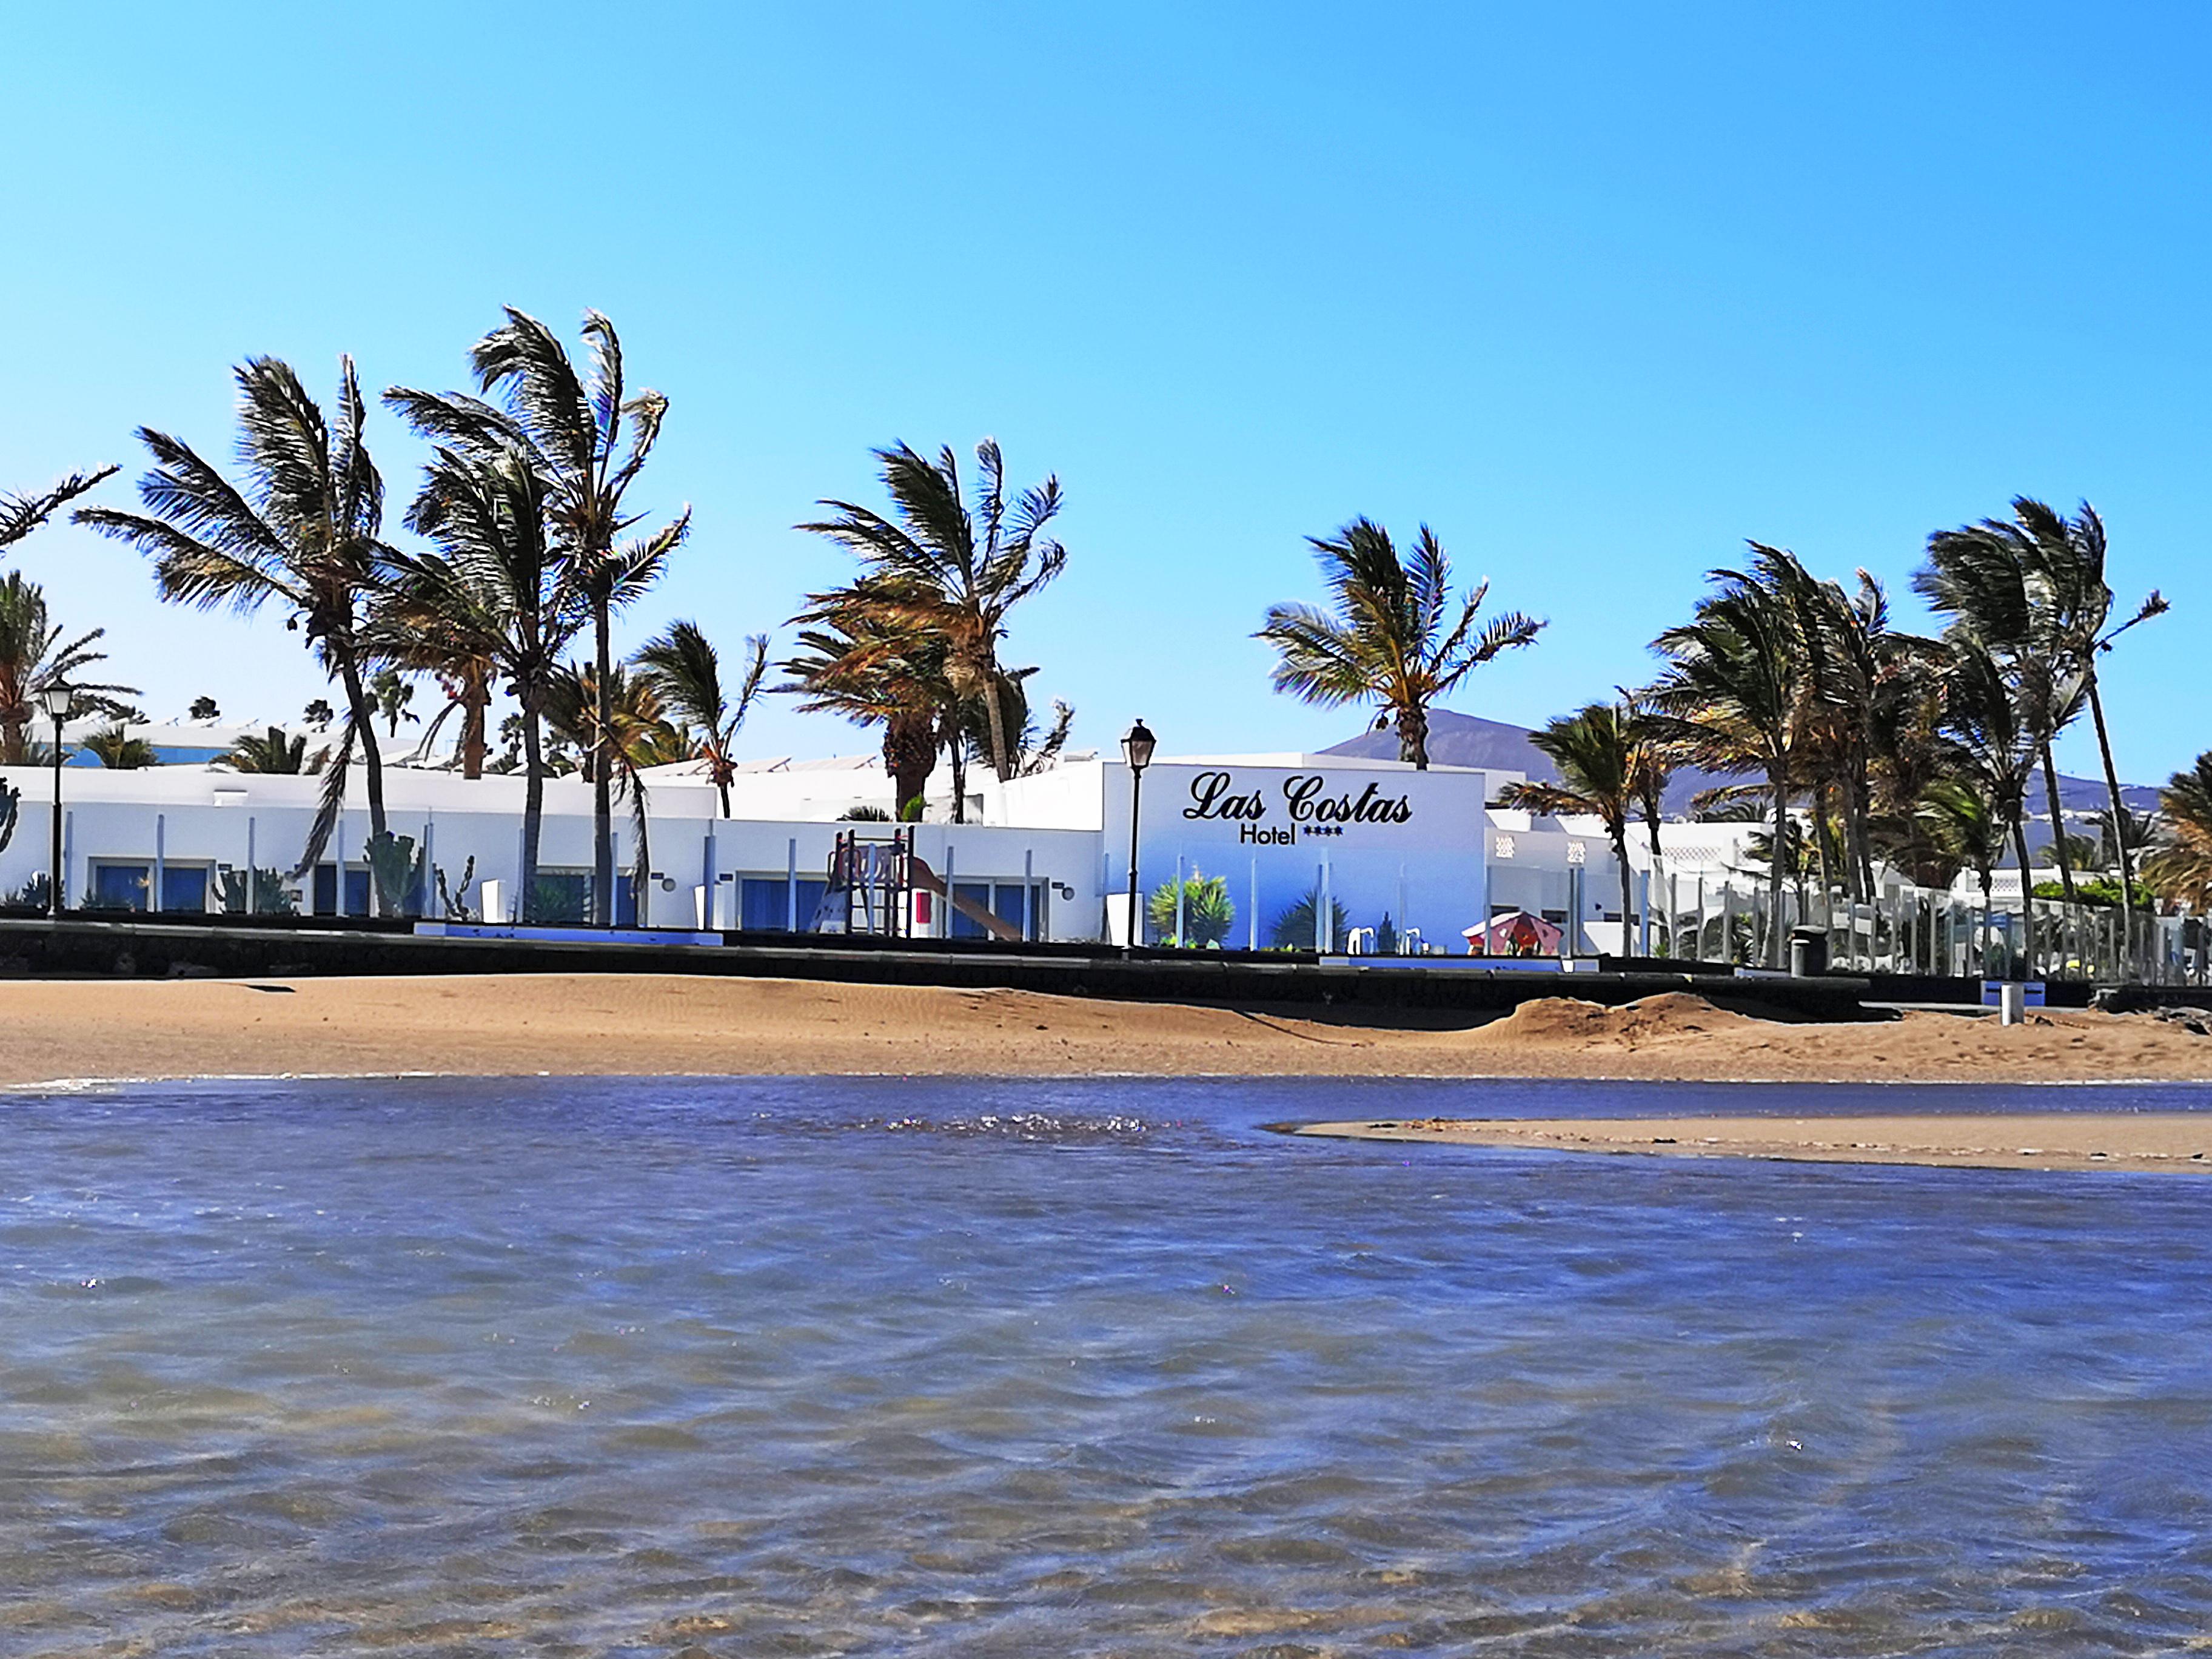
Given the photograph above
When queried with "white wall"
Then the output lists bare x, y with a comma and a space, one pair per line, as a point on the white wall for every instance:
1410, 847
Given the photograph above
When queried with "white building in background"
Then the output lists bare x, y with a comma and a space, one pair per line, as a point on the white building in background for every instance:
1374, 847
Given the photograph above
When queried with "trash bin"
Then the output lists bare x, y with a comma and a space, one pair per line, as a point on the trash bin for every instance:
1808, 952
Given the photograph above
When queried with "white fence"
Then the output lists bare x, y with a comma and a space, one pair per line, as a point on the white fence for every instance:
1919, 930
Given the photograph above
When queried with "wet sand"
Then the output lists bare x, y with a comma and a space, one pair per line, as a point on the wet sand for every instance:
618, 1024
2171, 1141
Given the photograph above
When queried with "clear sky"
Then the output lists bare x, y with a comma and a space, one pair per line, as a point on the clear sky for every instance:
1596, 291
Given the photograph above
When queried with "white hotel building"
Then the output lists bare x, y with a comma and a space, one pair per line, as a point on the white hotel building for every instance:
1049, 853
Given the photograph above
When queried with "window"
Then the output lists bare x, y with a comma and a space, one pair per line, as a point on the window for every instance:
184, 887
764, 903
326, 890
977, 893
563, 897
120, 886
1003, 899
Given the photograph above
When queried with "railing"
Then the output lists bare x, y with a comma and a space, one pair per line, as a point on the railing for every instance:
1918, 930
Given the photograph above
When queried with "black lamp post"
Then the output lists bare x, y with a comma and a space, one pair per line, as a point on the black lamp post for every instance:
56, 699
1137, 749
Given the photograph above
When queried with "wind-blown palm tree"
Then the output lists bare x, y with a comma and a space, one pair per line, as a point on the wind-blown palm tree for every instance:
33, 656
956, 569
864, 657
2070, 554
1996, 750
272, 752
117, 749
642, 736
2181, 870
391, 691
683, 670
496, 594
1959, 818
2032, 591
1596, 750
20, 514
1392, 636
1729, 694
588, 437
304, 530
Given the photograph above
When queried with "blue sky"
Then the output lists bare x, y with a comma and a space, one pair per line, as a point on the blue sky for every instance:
1597, 292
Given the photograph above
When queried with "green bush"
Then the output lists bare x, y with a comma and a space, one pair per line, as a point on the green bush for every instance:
1207, 914
1294, 928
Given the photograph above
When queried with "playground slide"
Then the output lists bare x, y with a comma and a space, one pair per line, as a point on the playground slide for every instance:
930, 881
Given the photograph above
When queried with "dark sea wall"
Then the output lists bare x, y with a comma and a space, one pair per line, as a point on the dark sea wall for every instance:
173, 948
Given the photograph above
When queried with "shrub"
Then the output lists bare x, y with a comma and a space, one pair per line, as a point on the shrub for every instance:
1207, 914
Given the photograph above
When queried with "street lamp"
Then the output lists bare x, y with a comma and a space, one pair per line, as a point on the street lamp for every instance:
1137, 749
56, 699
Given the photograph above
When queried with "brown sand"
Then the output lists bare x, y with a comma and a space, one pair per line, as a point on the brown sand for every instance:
2174, 1141
639, 1024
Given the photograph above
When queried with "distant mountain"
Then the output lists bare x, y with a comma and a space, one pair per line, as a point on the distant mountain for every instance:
1469, 740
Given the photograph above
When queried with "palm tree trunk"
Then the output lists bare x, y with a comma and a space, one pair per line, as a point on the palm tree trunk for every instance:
1414, 736
2057, 823
14, 751
603, 807
476, 706
372, 761
1627, 889
1862, 818
1775, 781
533, 813
959, 770
1000, 763
2027, 889
909, 756
641, 875
2119, 811
1823, 845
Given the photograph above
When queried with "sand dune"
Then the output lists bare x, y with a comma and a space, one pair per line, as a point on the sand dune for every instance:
637, 1023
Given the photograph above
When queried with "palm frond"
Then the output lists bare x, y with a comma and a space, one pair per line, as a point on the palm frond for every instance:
20, 514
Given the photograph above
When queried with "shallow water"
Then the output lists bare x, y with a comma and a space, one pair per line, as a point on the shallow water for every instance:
937, 1367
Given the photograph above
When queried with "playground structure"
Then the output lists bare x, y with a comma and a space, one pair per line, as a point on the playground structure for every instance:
872, 886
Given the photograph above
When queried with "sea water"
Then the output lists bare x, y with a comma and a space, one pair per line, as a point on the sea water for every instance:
942, 1367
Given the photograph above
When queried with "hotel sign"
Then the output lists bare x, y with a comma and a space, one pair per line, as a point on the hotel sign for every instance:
1301, 806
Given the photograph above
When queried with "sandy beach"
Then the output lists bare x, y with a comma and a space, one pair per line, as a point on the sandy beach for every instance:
2175, 1141
616, 1023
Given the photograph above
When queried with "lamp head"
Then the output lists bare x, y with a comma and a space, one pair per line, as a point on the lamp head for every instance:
1138, 746
56, 699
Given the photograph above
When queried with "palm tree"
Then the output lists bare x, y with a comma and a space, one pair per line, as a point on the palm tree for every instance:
20, 514
640, 736
1598, 753
1729, 696
2032, 591
273, 752
588, 437
392, 692
1995, 751
2181, 870
116, 748
495, 598
863, 657
953, 569
1961, 819
683, 670
2070, 555
304, 530
1391, 637
33, 656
